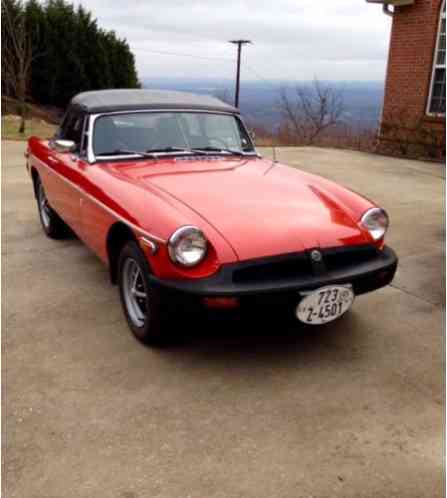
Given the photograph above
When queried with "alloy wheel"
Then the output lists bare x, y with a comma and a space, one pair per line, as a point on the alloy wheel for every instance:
44, 207
135, 295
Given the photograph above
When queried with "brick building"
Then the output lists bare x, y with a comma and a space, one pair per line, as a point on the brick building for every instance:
413, 116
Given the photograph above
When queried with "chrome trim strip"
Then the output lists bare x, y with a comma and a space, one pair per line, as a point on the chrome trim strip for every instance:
214, 154
152, 245
99, 203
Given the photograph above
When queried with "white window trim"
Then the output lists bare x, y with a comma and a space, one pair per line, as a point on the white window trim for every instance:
91, 158
435, 65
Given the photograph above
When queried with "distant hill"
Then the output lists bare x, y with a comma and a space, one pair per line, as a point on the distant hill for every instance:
363, 100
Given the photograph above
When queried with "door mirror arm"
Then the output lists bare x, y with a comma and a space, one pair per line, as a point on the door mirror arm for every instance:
63, 146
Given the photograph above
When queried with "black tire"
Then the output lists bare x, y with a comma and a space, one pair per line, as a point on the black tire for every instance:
52, 224
151, 329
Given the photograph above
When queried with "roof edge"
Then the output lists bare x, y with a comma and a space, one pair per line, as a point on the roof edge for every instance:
115, 100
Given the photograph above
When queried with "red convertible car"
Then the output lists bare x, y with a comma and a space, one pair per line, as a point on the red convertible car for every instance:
168, 190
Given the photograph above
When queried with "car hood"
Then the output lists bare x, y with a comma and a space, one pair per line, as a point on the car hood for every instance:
261, 208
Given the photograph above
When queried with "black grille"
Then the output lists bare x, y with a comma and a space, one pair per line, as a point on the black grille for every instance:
278, 268
291, 266
341, 257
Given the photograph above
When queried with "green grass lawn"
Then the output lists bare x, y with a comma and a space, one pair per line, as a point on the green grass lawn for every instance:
34, 126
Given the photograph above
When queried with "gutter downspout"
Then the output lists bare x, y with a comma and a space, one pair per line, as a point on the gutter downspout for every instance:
386, 10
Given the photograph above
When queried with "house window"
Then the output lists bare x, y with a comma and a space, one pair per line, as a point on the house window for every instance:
437, 91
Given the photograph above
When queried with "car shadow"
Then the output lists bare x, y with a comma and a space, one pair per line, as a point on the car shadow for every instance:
247, 340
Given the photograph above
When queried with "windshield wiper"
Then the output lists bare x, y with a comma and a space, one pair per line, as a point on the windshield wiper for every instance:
176, 149
152, 153
118, 152
220, 149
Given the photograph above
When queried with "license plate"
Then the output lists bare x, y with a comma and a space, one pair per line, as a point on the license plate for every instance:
325, 304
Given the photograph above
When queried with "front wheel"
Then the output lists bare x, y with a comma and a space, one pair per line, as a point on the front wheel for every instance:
141, 302
52, 225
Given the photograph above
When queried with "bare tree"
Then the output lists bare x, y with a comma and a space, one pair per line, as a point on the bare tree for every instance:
311, 110
17, 54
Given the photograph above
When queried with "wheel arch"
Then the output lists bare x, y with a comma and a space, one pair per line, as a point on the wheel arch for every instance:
119, 234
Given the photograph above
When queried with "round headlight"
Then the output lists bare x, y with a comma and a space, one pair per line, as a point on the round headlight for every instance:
376, 221
187, 246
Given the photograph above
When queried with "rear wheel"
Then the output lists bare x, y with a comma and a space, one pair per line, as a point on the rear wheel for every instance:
141, 302
52, 224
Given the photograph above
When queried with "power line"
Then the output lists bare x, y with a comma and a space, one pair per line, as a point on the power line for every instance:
261, 78
176, 54
186, 55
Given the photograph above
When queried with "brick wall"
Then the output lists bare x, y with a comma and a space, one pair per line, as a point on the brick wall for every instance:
405, 123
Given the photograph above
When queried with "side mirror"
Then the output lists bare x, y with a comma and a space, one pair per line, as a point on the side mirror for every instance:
63, 145
252, 135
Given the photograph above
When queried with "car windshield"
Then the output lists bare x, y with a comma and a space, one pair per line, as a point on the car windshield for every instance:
170, 132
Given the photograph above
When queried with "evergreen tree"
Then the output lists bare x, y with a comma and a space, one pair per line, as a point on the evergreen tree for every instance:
71, 54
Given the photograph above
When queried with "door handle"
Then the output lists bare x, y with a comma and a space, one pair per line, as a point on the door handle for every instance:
52, 160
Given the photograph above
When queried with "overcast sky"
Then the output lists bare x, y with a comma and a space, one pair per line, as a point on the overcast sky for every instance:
292, 39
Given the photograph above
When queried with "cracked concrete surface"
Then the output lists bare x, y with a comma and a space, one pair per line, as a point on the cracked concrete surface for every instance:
352, 409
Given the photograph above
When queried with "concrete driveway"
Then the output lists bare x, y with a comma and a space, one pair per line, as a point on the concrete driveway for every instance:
352, 409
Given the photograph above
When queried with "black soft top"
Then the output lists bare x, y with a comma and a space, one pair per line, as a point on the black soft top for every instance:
100, 101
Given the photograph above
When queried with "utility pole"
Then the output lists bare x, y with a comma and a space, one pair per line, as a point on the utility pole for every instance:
239, 44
